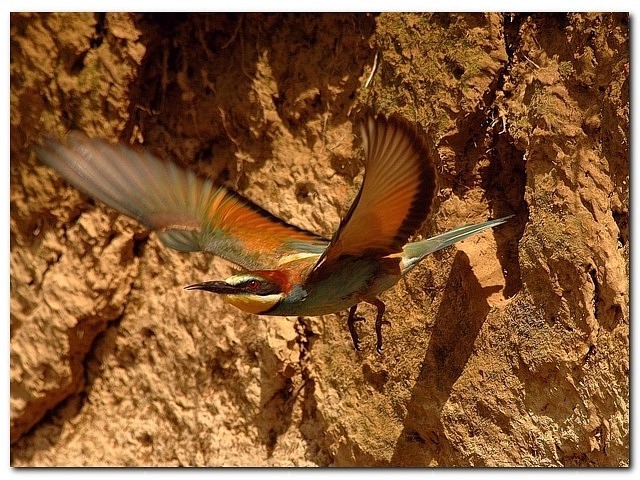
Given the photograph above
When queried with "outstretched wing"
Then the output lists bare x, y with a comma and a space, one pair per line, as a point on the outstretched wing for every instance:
188, 212
395, 196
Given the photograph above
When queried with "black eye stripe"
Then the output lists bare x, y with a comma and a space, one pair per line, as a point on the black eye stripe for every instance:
260, 287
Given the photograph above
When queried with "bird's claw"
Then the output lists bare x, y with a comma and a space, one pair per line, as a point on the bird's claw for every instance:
380, 321
353, 332
379, 325
351, 323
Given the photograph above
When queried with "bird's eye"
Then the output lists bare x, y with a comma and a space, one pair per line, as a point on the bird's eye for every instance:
252, 284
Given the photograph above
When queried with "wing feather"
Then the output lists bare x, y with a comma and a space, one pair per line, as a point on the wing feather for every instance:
395, 195
188, 212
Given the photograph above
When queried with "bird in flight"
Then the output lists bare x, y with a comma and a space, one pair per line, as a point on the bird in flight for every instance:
285, 270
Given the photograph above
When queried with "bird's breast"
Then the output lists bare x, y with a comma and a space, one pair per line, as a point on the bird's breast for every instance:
353, 280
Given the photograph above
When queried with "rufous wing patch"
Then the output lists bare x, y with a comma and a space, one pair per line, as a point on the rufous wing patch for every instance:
395, 195
188, 212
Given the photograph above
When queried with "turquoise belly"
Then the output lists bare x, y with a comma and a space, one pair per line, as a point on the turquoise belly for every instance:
354, 281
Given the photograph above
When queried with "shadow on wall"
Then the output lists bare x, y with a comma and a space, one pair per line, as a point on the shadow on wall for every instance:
460, 317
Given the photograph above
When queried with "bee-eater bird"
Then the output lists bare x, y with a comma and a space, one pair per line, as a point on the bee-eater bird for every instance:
286, 270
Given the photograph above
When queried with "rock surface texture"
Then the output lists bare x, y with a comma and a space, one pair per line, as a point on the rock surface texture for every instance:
511, 348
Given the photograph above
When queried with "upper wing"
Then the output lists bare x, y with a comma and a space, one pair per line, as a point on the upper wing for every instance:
187, 211
395, 196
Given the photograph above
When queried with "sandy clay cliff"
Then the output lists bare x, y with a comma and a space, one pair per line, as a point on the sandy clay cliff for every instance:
511, 348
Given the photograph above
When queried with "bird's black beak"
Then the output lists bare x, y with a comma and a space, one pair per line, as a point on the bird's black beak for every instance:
214, 286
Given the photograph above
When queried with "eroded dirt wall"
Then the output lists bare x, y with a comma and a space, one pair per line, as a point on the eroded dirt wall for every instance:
508, 349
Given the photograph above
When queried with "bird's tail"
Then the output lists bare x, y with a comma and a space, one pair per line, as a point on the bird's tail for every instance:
413, 253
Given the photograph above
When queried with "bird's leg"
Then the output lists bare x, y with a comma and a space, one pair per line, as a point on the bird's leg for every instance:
379, 322
351, 323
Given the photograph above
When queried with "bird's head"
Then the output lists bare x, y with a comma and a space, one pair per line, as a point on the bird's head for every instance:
254, 292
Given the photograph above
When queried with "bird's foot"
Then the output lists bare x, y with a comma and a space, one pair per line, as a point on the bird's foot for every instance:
351, 323
379, 323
